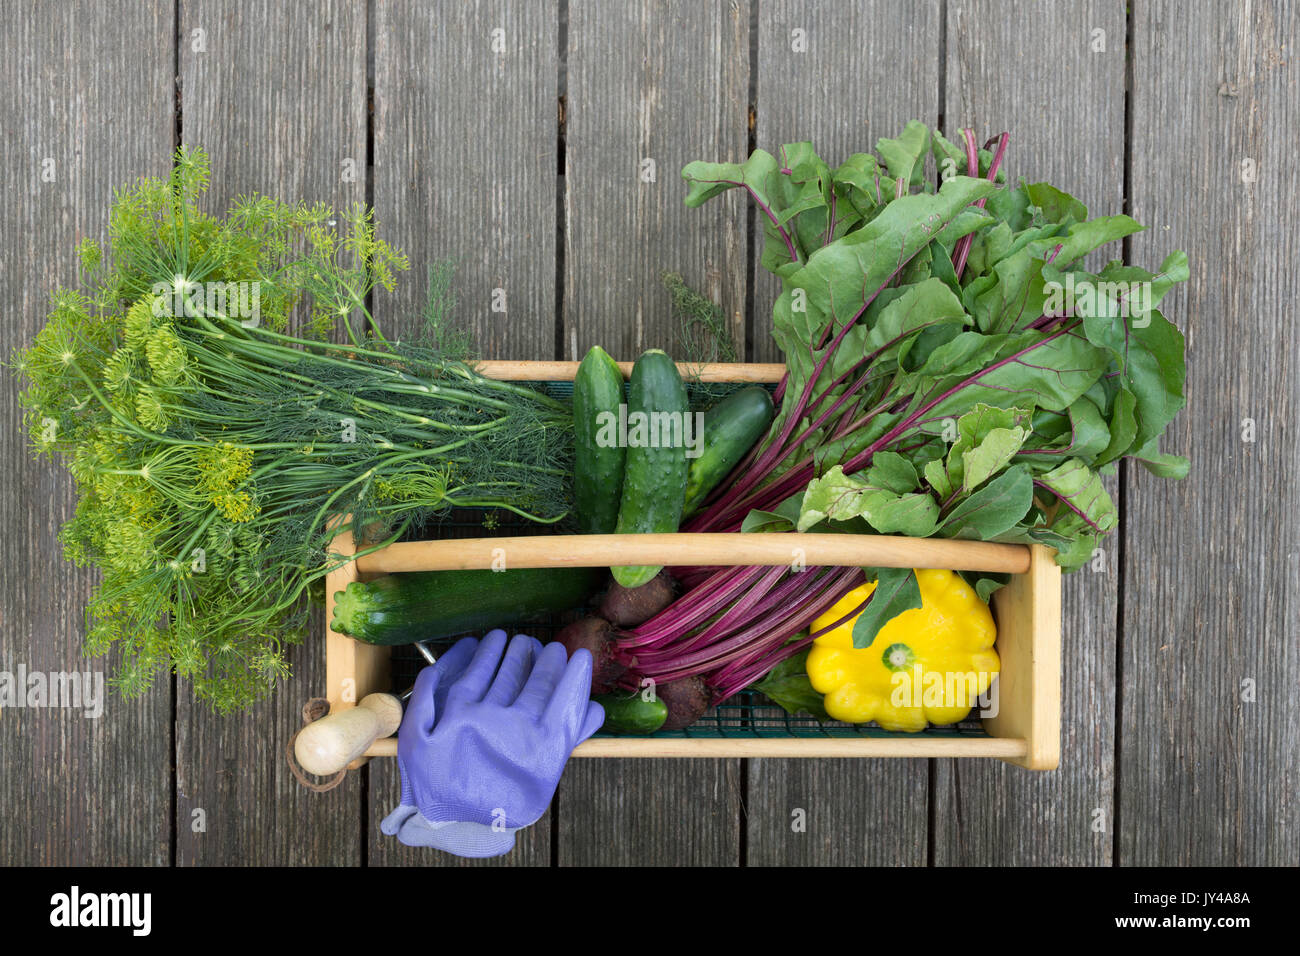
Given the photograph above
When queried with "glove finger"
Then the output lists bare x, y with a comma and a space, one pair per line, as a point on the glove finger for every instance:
594, 720
392, 824
515, 668
546, 674
450, 666
568, 705
473, 684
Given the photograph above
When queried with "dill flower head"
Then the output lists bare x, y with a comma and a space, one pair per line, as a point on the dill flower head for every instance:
119, 371
236, 506
139, 321
166, 356
149, 410
223, 466
127, 546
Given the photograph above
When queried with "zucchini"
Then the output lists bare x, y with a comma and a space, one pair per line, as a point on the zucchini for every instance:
598, 464
426, 605
631, 714
731, 427
654, 476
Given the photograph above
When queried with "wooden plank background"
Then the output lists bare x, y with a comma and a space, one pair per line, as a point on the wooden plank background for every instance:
469, 149
61, 164
539, 145
813, 85
1070, 78
242, 98
1209, 764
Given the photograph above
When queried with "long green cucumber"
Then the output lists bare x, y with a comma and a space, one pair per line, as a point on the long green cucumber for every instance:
598, 461
426, 605
731, 427
631, 713
654, 476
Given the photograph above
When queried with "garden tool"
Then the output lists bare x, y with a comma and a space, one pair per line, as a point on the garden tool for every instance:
326, 746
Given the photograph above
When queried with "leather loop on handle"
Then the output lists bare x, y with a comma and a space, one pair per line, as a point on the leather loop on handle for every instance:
312, 710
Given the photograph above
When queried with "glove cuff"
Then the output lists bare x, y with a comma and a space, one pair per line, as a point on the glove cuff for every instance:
474, 840
458, 837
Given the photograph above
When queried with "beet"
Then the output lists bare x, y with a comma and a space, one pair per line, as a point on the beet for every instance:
687, 701
628, 607
594, 633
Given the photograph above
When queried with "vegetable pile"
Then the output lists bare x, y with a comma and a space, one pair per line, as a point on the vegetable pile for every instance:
211, 448
953, 369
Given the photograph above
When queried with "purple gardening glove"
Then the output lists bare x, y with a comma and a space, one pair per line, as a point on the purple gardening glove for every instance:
485, 739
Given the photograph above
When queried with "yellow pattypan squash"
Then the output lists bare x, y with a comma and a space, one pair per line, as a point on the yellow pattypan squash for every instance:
926, 666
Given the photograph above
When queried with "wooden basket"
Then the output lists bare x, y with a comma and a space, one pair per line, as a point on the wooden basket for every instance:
1026, 730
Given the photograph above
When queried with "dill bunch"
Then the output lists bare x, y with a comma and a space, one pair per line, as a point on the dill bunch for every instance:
702, 337
212, 450
702, 334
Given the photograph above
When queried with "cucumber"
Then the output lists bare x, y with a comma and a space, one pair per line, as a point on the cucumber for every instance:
731, 427
598, 465
654, 478
425, 605
631, 714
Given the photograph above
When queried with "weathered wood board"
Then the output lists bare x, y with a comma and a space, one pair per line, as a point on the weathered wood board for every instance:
649, 87
811, 85
1063, 105
465, 134
269, 128
91, 791
465, 137
1209, 764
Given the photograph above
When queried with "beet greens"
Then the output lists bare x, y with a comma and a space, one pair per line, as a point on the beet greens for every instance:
952, 369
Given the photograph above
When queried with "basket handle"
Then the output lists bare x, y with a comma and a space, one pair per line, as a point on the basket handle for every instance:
697, 550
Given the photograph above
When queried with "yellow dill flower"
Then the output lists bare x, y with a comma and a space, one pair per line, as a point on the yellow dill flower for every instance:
127, 546
150, 412
102, 635
166, 356
90, 253
237, 506
323, 239
223, 467
139, 322
118, 369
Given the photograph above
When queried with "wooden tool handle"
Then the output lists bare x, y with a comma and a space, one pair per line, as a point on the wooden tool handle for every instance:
759, 372
697, 550
328, 745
